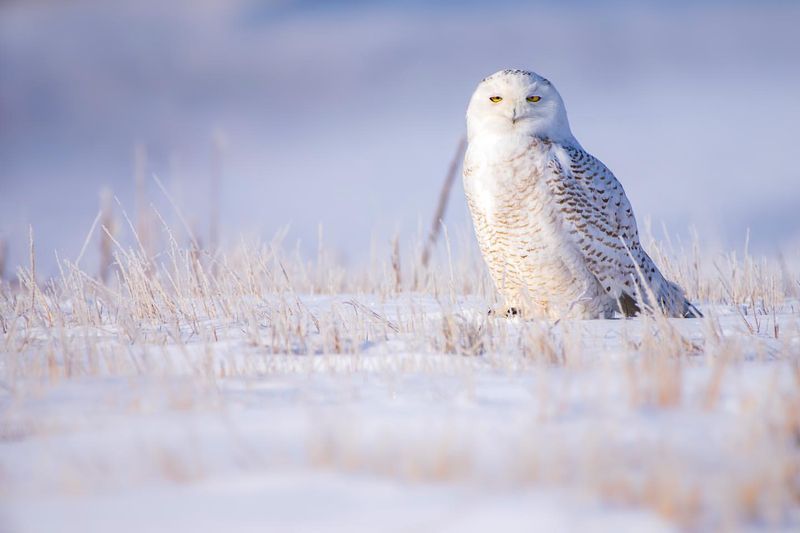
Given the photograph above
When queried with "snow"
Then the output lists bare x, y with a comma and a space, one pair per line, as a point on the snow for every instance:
399, 437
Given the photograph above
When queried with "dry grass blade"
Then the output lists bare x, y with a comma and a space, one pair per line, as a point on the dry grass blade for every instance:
441, 206
369, 312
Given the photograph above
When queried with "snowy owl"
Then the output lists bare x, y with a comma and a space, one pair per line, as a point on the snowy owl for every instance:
553, 223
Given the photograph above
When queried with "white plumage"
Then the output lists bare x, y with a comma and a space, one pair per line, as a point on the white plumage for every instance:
553, 223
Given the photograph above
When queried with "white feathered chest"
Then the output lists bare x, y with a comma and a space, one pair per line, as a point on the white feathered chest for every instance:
521, 231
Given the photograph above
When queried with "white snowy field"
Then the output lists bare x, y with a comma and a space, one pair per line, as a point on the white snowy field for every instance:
257, 392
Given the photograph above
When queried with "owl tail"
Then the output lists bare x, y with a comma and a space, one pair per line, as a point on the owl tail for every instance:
690, 311
674, 303
653, 286
670, 298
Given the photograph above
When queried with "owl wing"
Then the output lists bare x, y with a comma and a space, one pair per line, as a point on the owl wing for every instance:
600, 221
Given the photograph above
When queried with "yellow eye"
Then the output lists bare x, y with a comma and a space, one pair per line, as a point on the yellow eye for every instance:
496, 99
533, 98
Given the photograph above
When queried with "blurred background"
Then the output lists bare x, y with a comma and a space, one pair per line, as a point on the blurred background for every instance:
257, 115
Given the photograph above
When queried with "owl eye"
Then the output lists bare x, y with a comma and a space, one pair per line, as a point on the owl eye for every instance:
496, 99
535, 98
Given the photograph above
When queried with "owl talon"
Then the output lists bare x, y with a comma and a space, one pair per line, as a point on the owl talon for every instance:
505, 312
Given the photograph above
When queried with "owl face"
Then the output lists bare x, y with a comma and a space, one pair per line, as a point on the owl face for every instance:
517, 102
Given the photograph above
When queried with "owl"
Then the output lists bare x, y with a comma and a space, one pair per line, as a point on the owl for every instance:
553, 223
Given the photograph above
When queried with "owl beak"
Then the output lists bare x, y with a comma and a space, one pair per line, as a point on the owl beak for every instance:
514, 116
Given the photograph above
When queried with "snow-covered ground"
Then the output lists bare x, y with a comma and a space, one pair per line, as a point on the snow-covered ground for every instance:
422, 416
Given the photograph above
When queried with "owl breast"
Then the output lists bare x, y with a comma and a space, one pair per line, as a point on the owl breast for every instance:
531, 258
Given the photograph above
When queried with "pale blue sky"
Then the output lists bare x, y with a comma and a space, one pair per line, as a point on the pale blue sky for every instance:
348, 114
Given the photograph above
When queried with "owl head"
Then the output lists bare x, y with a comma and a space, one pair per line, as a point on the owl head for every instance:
518, 102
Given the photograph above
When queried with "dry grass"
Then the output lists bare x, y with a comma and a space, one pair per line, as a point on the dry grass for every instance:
173, 313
